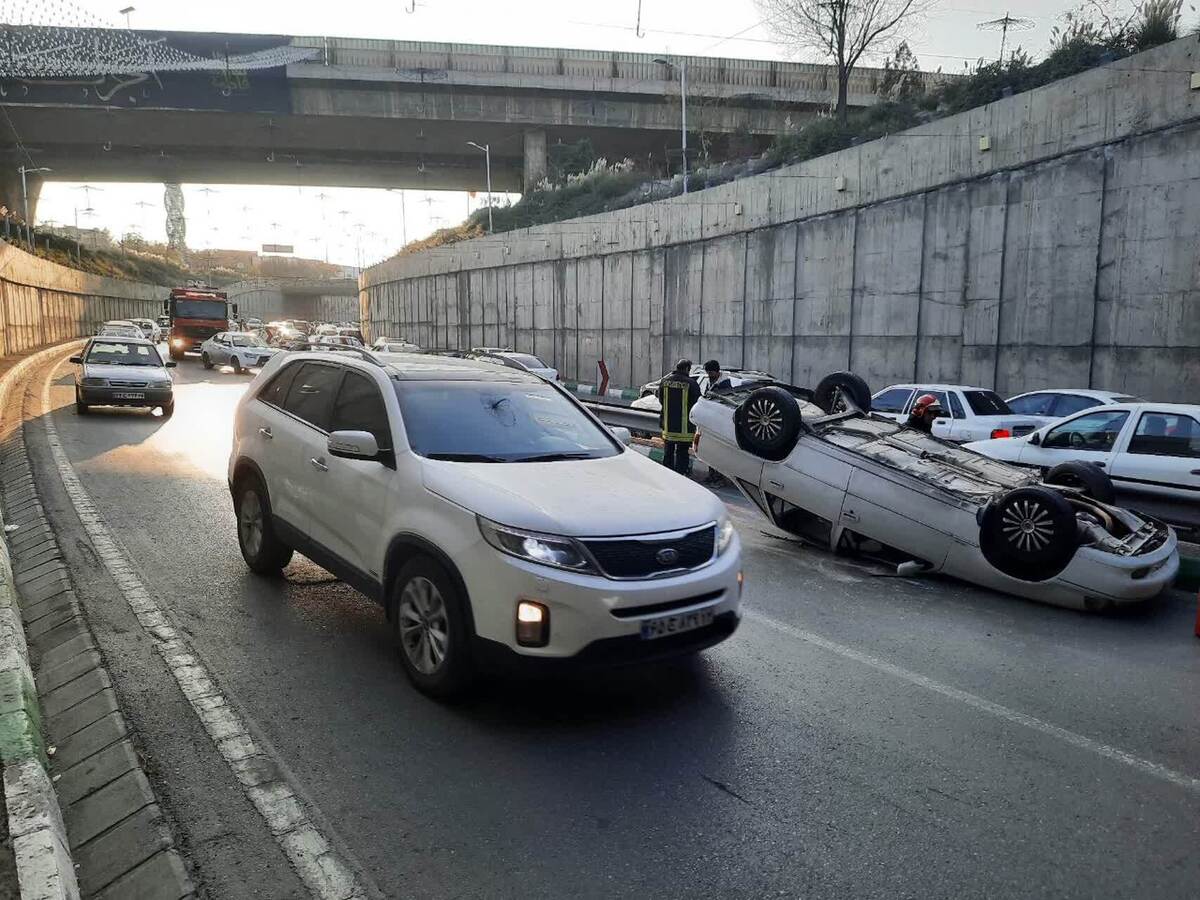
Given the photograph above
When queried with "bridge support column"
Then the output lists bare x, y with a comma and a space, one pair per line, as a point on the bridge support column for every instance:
535, 157
10, 193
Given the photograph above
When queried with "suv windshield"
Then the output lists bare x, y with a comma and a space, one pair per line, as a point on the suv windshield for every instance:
473, 421
987, 403
117, 353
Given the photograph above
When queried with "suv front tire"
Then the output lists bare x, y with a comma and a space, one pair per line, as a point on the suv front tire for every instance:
432, 635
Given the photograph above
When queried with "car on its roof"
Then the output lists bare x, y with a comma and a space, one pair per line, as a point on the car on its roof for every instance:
1052, 404
820, 465
498, 522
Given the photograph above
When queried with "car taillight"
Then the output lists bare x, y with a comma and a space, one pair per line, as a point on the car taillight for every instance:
1001, 433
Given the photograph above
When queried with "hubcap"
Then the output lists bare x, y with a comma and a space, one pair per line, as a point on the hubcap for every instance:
1027, 525
424, 629
251, 522
764, 419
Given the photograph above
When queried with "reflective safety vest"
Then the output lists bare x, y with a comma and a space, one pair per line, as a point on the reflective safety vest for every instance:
678, 395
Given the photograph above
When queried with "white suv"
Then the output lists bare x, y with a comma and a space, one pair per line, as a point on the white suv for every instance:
494, 518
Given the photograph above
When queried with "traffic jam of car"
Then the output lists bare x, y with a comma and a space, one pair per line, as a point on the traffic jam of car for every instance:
522, 532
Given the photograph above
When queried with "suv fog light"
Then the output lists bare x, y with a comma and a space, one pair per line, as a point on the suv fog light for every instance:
533, 624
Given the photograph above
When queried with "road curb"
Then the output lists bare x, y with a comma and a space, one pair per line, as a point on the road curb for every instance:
90, 819
41, 849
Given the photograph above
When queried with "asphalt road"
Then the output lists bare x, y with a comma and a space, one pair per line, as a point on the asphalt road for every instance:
861, 735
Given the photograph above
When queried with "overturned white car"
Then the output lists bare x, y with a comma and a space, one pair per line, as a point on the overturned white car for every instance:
819, 465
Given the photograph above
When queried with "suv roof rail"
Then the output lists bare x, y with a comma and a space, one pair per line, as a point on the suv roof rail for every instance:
362, 352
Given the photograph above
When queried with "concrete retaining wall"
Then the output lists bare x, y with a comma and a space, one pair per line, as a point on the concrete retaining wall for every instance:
43, 303
1065, 255
274, 301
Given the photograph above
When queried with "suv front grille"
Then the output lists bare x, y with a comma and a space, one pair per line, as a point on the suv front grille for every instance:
645, 557
114, 383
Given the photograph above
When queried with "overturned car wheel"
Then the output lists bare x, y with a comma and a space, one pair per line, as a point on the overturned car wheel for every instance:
1030, 534
767, 423
1090, 479
836, 392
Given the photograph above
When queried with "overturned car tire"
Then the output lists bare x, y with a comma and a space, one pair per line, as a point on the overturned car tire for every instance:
767, 423
1030, 534
835, 389
1090, 479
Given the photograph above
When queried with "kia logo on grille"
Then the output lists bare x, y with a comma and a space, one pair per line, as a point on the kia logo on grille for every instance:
667, 556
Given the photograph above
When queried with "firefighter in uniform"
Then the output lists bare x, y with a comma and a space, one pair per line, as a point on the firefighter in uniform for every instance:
678, 393
924, 411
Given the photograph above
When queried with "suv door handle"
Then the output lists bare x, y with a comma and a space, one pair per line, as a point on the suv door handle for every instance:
266, 432
849, 515
319, 463
1196, 471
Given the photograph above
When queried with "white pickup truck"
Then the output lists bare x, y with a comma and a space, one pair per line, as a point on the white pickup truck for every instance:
970, 413
1151, 452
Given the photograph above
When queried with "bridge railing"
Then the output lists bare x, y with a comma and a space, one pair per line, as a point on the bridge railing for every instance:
637, 68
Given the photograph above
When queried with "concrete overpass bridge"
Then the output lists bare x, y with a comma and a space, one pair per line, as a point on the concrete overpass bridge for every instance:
389, 114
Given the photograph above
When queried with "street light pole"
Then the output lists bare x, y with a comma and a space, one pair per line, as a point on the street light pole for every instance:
25, 198
487, 156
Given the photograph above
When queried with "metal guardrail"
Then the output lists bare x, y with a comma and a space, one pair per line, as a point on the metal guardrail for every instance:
624, 417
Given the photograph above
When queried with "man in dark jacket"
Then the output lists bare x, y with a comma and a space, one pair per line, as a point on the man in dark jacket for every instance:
678, 393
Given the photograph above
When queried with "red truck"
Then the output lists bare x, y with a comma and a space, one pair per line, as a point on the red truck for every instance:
197, 313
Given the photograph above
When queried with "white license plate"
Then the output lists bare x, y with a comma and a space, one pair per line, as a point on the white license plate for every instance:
664, 626
129, 395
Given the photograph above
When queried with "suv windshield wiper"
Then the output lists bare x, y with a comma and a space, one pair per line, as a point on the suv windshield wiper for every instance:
467, 457
556, 457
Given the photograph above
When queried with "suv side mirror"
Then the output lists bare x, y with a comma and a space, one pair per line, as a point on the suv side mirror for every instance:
1035, 439
78, 360
621, 434
353, 445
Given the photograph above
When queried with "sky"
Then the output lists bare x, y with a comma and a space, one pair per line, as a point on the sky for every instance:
375, 223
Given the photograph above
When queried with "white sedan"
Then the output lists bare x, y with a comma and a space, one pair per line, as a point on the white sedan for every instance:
239, 349
969, 413
820, 468
1048, 406
1151, 452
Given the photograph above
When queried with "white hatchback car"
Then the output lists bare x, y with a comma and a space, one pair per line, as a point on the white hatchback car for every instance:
496, 520
240, 349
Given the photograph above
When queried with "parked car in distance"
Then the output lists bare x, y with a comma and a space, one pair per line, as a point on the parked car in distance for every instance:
240, 349
120, 328
164, 325
394, 347
122, 371
342, 340
819, 467
1051, 405
149, 328
1151, 452
516, 531
649, 399
969, 413
526, 361
380, 342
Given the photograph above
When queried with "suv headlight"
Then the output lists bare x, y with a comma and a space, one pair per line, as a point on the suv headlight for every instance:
725, 534
94, 382
547, 549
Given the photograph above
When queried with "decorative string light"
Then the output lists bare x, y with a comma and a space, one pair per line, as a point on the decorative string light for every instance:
60, 39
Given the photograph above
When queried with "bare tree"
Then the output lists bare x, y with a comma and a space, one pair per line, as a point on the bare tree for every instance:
841, 29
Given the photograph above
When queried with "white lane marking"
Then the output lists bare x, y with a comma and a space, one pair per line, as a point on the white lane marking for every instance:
322, 869
1179, 779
